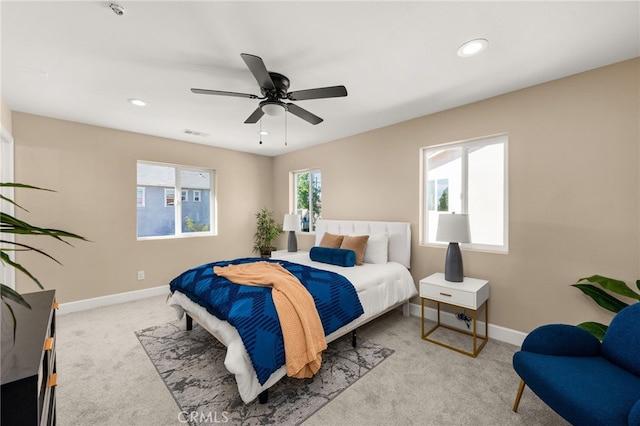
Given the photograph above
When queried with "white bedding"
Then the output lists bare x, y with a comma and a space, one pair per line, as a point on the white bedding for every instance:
380, 287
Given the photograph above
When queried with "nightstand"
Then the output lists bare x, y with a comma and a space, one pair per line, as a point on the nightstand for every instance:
284, 254
471, 294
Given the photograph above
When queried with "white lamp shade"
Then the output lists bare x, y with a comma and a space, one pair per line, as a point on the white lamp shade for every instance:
272, 109
291, 222
453, 228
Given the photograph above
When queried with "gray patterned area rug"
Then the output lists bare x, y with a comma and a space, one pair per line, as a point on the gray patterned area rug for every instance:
191, 363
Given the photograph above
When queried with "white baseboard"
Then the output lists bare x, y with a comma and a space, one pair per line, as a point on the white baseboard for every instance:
496, 332
112, 299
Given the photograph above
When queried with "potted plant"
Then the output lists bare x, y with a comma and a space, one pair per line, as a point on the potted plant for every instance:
267, 230
11, 225
604, 298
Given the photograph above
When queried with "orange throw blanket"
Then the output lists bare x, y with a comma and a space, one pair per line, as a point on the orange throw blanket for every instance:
302, 330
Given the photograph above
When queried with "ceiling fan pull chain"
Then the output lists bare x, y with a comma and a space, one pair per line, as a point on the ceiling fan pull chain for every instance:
285, 128
260, 132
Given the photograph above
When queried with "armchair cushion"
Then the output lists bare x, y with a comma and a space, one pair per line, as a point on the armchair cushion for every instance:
561, 340
621, 343
583, 390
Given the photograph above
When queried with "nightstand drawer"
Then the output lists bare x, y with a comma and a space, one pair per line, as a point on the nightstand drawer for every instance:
447, 295
470, 293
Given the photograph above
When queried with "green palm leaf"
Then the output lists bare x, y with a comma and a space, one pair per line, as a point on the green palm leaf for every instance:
8, 293
601, 297
19, 185
613, 285
595, 328
6, 259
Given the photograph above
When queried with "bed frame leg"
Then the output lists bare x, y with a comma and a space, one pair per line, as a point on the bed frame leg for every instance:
263, 398
189, 322
354, 338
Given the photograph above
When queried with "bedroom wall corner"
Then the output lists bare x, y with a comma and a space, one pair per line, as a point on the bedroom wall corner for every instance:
93, 171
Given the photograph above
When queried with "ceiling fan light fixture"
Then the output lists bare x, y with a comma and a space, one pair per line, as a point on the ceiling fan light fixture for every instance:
472, 47
273, 108
263, 132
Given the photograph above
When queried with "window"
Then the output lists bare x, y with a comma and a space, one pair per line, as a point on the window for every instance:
157, 186
468, 177
307, 197
196, 195
140, 197
169, 197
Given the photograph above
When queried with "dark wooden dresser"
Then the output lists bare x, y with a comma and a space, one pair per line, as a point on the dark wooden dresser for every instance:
29, 364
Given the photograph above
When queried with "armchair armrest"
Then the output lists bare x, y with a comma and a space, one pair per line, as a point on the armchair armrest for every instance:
561, 340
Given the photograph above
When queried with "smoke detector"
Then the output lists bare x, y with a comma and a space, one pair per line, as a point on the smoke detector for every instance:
117, 9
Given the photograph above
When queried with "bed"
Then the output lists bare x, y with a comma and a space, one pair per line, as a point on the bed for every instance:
381, 287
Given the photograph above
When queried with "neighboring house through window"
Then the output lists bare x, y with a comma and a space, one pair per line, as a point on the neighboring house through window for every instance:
140, 197
468, 177
307, 197
158, 209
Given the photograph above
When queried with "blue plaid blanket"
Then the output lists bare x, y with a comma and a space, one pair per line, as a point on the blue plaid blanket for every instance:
251, 310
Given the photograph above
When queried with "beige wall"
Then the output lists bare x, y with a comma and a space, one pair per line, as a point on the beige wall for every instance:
93, 170
574, 195
574, 189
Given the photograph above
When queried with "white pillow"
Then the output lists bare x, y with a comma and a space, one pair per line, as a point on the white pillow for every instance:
377, 249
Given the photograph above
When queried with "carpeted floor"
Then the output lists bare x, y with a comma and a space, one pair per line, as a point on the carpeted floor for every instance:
191, 364
106, 378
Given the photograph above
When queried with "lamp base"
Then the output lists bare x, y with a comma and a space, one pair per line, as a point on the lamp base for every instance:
292, 244
453, 264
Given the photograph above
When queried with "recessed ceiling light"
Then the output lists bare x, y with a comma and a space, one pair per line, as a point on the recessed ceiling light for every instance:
472, 47
263, 132
137, 102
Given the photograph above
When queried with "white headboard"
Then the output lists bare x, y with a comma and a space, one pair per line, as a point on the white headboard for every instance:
399, 234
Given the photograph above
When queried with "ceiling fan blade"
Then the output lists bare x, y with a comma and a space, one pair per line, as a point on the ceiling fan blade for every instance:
304, 114
255, 116
259, 71
223, 93
320, 93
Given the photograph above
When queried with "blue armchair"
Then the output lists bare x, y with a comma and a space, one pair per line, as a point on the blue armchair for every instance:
585, 381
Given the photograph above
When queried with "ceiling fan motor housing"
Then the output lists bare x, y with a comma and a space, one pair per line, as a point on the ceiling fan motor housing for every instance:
281, 84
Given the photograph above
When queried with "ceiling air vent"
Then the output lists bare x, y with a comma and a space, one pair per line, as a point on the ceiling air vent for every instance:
196, 133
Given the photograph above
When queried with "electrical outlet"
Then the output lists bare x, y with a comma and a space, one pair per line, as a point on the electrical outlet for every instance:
140, 275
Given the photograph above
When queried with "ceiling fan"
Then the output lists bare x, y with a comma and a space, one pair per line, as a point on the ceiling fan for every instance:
274, 88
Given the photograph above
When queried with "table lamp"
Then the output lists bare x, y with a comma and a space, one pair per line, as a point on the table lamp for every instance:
453, 228
291, 223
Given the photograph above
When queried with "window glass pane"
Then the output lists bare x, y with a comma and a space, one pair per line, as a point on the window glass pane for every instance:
316, 196
486, 194
444, 185
155, 219
308, 198
196, 216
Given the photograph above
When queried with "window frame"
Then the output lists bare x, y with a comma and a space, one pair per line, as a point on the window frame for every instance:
177, 202
142, 197
465, 146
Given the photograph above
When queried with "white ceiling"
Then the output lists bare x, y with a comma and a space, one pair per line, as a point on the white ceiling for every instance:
79, 61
